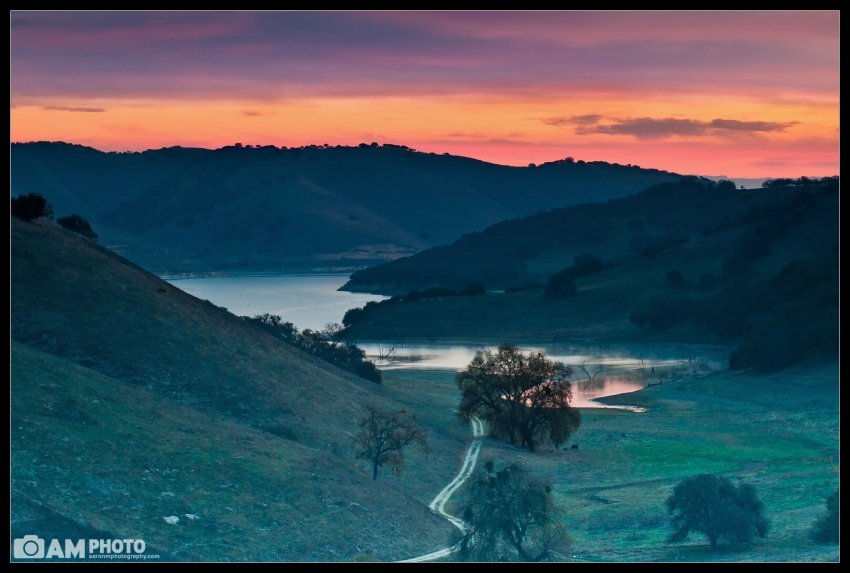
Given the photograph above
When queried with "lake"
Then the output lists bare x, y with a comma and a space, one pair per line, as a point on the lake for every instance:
610, 370
307, 301
311, 301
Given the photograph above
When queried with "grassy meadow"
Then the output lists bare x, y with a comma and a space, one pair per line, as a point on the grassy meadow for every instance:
774, 431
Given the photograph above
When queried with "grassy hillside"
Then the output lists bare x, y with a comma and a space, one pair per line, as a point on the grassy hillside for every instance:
118, 458
530, 249
78, 300
267, 208
133, 401
743, 259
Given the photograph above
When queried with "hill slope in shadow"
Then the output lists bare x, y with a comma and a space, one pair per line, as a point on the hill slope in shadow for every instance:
133, 401
266, 208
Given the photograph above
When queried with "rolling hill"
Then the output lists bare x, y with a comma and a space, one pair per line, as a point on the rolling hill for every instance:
267, 208
530, 249
759, 269
133, 401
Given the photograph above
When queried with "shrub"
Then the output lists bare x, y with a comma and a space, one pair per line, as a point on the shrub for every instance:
826, 527
31, 206
560, 285
586, 264
78, 225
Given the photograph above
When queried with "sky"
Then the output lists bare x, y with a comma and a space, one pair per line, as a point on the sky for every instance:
742, 94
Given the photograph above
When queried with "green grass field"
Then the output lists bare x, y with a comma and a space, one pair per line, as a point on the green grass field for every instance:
776, 432
133, 401
118, 459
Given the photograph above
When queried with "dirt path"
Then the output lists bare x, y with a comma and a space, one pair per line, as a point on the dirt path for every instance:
438, 504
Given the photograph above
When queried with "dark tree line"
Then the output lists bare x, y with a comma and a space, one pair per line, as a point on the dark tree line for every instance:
355, 315
78, 225
776, 321
562, 284
30, 207
326, 344
34, 206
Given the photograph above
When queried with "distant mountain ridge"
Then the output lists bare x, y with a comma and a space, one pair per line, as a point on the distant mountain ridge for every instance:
267, 208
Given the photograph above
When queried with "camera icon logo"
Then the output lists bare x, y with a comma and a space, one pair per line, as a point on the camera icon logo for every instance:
28, 547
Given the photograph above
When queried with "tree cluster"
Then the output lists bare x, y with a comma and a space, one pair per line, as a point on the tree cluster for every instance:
30, 207
78, 225
326, 344
355, 315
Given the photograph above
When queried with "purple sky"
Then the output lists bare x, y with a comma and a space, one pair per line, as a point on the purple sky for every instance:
653, 75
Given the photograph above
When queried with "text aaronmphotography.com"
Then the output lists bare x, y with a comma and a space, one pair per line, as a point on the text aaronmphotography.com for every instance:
32, 547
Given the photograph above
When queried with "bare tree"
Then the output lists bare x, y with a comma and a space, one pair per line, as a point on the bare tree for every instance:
383, 436
385, 353
332, 334
510, 516
591, 377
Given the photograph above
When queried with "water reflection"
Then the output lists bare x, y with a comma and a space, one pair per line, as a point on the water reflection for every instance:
455, 357
585, 392
308, 301
614, 370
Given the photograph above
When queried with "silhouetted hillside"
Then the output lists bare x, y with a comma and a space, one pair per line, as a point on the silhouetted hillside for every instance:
269, 208
755, 270
531, 249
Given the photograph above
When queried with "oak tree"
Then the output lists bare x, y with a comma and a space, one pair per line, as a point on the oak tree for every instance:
383, 437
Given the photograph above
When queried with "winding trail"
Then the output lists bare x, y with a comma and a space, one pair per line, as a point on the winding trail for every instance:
438, 504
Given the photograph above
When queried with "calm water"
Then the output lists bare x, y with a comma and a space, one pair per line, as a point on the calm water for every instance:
311, 301
454, 356
308, 301
621, 369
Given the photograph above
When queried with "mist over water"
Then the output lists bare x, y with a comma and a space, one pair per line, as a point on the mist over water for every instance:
613, 370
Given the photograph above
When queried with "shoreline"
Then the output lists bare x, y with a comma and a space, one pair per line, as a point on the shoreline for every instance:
171, 276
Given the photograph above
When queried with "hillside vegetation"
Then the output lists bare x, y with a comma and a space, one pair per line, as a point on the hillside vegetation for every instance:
134, 401
529, 250
759, 273
268, 208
